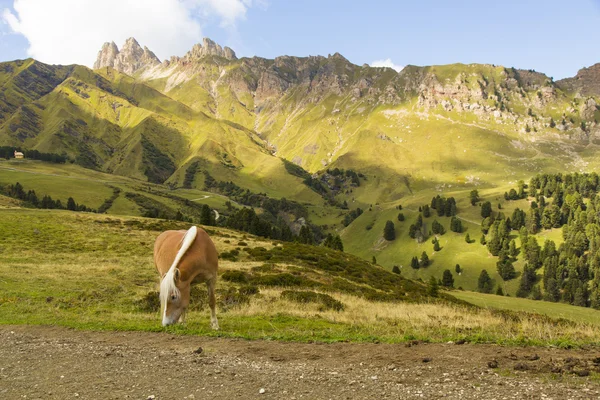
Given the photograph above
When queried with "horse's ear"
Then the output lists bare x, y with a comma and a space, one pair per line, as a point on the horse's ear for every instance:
177, 275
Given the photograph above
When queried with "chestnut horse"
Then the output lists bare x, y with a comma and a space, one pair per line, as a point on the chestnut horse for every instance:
183, 258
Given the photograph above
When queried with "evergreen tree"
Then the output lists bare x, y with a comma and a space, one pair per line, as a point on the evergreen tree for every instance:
512, 249
474, 197
552, 290
485, 283
437, 228
433, 287
374, 260
532, 254
456, 225
506, 270
424, 260
457, 269
71, 205
528, 278
207, 216
337, 243
426, 211
400, 217
447, 279
486, 209
482, 240
389, 232
518, 219
499, 291
414, 263
533, 220
179, 216
306, 236
436, 245
536, 293
467, 238
396, 269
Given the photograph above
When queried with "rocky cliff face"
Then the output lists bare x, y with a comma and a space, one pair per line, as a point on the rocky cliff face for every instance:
129, 60
209, 48
586, 82
522, 99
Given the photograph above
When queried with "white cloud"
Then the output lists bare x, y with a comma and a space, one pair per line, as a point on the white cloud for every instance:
387, 63
72, 31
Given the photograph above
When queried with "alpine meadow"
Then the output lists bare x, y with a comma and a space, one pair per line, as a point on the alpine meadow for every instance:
434, 206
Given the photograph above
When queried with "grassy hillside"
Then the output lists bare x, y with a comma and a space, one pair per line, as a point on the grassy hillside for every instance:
53, 272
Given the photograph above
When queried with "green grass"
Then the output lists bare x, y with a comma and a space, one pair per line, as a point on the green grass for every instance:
53, 272
554, 310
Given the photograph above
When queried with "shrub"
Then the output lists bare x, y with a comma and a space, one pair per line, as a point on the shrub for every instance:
235, 276
284, 279
325, 301
150, 302
232, 298
249, 290
230, 255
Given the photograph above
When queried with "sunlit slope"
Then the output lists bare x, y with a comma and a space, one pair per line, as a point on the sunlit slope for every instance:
109, 121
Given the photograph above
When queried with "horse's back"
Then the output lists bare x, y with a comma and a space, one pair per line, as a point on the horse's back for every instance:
199, 261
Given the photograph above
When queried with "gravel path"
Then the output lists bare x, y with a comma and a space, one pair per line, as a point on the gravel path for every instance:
56, 363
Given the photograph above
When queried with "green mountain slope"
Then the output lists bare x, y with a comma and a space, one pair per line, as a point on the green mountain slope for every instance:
411, 135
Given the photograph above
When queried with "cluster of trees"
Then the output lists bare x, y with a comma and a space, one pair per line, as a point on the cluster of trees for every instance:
571, 271
416, 230
17, 191
456, 225
516, 194
437, 228
248, 198
245, 219
353, 176
9, 152
443, 206
423, 262
190, 174
333, 242
351, 216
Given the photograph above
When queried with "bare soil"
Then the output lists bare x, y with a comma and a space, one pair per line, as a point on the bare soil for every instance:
56, 363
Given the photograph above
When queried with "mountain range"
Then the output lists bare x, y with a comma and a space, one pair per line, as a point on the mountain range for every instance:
245, 119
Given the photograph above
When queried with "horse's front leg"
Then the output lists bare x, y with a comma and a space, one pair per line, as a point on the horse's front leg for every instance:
182, 317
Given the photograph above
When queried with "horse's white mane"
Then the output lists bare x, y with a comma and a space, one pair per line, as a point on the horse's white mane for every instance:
167, 286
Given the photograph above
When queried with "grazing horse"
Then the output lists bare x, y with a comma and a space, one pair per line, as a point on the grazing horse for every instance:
183, 258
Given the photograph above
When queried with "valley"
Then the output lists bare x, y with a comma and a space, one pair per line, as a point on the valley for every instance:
324, 152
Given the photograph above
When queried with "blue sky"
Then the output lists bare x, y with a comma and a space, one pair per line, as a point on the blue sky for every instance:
555, 37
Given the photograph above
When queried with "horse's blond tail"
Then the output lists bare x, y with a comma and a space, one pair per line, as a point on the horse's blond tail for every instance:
167, 285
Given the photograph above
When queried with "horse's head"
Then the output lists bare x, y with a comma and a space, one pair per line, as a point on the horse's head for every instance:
173, 299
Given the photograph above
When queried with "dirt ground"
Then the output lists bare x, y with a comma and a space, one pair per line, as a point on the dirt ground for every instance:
57, 363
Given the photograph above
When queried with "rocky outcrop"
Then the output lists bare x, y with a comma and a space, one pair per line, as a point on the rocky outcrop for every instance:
129, 60
107, 55
209, 48
586, 82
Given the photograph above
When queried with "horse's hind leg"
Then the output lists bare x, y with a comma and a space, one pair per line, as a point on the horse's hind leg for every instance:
214, 323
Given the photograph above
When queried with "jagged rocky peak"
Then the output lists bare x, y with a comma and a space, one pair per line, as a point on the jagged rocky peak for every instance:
209, 48
130, 59
106, 55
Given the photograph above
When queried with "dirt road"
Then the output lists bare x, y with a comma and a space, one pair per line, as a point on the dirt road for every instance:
58, 363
